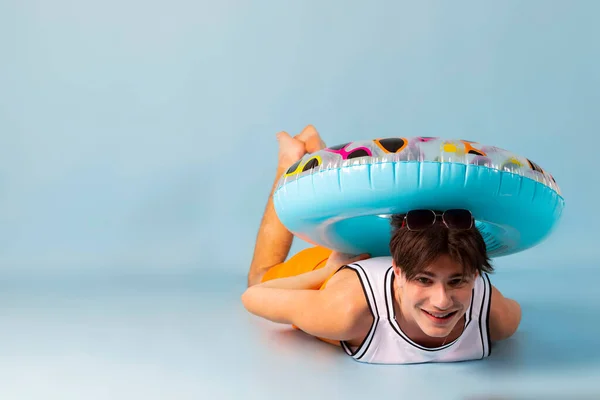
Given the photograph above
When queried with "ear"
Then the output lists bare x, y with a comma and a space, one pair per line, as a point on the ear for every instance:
398, 275
397, 270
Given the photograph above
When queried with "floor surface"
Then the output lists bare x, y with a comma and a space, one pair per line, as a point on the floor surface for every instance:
188, 337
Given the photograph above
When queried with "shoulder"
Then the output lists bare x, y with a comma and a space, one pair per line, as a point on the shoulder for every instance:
346, 288
344, 292
504, 316
364, 280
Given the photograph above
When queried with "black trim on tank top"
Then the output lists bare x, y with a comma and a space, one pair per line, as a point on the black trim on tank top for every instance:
481, 318
487, 317
366, 343
471, 306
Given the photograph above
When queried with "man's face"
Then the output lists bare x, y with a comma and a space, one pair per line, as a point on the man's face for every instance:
436, 298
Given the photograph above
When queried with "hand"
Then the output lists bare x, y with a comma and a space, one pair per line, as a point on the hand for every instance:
336, 260
293, 149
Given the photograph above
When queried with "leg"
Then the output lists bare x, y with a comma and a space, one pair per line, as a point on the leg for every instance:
304, 261
273, 241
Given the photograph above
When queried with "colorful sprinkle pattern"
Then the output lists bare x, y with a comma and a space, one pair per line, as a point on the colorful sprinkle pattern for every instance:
417, 149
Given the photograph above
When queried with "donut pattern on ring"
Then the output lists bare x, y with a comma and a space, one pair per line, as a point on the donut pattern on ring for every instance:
418, 149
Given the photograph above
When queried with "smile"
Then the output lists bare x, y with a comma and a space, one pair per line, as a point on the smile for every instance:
440, 317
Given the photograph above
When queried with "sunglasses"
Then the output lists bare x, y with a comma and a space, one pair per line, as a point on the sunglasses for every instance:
417, 220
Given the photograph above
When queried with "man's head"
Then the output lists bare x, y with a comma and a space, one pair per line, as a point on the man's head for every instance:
435, 270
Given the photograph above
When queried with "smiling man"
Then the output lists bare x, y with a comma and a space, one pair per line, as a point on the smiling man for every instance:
430, 301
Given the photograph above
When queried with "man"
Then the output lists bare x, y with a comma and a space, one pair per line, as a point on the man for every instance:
431, 301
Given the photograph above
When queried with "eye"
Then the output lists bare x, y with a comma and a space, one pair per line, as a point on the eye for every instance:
422, 280
458, 282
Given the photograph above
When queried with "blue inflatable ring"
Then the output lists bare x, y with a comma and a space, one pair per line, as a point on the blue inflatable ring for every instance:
342, 197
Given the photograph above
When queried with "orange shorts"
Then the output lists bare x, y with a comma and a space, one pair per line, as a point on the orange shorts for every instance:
305, 260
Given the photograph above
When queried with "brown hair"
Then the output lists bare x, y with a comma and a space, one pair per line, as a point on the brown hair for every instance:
413, 251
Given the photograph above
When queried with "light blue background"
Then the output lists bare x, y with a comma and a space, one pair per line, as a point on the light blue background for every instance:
137, 150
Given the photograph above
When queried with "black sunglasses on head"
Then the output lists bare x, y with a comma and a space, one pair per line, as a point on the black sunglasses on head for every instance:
416, 220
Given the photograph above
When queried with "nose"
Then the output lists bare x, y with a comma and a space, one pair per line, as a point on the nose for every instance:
440, 298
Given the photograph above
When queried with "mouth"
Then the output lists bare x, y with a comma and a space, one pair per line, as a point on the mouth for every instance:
440, 317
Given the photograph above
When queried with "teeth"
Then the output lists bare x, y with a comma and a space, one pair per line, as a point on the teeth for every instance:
439, 315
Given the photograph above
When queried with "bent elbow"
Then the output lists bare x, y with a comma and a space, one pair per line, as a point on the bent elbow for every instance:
516, 314
513, 320
505, 321
246, 298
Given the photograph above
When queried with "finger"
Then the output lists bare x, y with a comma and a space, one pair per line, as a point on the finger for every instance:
354, 257
363, 256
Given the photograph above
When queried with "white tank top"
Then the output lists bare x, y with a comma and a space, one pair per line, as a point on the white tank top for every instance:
386, 343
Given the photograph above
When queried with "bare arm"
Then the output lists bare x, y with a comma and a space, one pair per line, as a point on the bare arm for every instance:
313, 279
338, 312
505, 316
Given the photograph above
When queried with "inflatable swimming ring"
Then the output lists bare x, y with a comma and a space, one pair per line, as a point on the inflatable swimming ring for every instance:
341, 197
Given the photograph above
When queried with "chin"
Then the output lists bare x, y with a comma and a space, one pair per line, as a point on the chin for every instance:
437, 332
